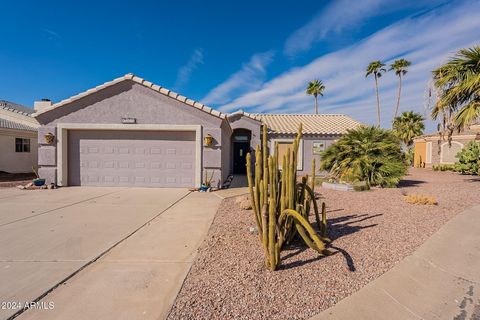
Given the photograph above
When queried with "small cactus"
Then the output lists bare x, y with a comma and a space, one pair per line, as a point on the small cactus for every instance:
280, 204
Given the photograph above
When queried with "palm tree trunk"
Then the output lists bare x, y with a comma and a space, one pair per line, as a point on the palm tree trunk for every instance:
378, 101
398, 95
316, 105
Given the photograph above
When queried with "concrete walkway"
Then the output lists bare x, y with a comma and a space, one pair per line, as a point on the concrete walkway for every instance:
441, 280
138, 278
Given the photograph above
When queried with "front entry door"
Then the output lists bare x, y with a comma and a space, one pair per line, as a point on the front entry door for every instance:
240, 150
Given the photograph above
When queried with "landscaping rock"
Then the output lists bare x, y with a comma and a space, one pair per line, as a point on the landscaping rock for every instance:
253, 230
371, 232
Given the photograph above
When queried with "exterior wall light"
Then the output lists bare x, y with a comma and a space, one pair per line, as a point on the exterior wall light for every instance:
208, 140
49, 138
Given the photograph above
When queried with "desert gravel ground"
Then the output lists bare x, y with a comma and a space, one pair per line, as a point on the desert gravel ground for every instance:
372, 231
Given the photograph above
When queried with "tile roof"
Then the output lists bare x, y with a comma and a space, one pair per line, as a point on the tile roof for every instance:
243, 113
7, 124
148, 84
15, 107
322, 124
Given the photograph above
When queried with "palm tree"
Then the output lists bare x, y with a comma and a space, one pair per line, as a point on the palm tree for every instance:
407, 126
368, 154
376, 68
315, 88
458, 86
401, 68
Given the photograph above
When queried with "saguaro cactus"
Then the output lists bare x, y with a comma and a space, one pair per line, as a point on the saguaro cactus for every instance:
281, 204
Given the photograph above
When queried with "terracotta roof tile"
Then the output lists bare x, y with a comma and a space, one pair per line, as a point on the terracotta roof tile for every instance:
15, 107
322, 124
7, 124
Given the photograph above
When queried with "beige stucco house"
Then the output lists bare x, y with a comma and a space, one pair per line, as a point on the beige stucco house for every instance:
18, 138
131, 132
431, 149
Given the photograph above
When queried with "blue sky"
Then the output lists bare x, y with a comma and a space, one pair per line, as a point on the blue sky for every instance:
253, 55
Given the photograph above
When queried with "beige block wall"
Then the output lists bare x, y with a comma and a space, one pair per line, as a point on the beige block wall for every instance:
17, 162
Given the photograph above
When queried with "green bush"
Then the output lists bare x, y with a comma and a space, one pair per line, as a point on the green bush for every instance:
443, 167
409, 154
469, 159
366, 154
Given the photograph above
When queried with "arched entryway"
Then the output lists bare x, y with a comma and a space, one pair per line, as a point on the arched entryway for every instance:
240, 147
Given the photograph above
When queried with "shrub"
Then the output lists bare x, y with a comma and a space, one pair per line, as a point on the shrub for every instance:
469, 159
366, 154
421, 199
409, 154
443, 167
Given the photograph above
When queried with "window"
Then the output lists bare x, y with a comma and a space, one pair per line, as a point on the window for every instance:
318, 147
22, 145
283, 146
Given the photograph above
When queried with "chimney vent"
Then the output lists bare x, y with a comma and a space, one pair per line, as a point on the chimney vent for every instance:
42, 104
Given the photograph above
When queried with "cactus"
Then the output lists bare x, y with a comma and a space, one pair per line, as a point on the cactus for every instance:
281, 205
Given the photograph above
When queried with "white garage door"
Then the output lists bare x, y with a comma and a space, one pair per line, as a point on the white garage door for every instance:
131, 158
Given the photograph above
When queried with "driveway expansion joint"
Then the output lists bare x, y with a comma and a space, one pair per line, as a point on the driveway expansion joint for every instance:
62, 207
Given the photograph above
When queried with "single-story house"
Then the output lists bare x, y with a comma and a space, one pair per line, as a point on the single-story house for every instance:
131, 132
18, 138
431, 149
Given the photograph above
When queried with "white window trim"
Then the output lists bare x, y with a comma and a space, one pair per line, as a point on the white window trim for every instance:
300, 150
441, 151
429, 153
62, 145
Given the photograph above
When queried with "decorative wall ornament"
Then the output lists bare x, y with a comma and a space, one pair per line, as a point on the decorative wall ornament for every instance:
49, 138
208, 140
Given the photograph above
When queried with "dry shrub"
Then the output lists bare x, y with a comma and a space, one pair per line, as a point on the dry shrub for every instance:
421, 199
244, 202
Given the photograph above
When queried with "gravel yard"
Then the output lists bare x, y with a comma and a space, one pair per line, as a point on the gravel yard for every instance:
371, 230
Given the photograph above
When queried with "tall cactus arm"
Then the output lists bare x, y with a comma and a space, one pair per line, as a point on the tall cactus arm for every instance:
312, 181
315, 206
321, 220
253, 198
305, 224
265, 231
324, 231
271, 234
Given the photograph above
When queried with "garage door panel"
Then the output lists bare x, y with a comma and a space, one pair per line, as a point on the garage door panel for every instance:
134, 158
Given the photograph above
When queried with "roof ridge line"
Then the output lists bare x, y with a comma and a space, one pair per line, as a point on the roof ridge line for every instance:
139, 80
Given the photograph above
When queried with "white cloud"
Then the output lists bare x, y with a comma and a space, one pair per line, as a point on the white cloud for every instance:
427, 40
249, 77
344, 15
185, 72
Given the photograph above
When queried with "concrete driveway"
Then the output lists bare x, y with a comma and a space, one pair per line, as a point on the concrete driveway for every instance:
47, 237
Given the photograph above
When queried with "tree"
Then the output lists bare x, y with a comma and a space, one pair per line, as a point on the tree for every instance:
368, 154
401, 68
376, 68
315, 88
408, 125
458, 86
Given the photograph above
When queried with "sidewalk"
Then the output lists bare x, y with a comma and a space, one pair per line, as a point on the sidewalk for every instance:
140, 278
440, 280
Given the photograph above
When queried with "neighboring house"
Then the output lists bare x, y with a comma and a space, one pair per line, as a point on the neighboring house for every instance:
18, 138
131, 132
432, 149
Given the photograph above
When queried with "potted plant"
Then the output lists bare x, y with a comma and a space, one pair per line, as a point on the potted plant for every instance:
207, 183
38, 181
